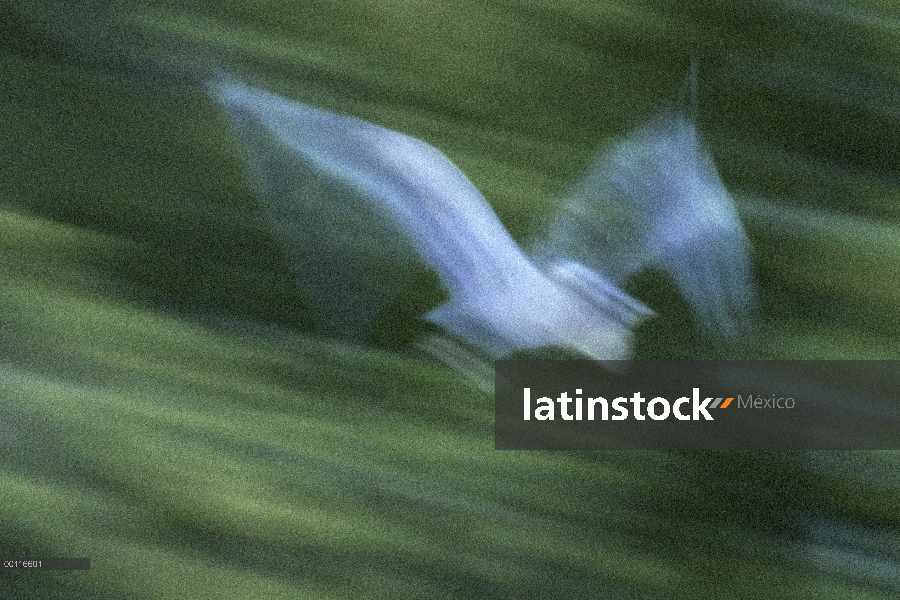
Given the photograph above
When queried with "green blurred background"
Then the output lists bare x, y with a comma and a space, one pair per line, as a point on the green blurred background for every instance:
163, 412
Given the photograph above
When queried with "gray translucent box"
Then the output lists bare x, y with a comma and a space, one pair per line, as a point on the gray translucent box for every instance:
702, 405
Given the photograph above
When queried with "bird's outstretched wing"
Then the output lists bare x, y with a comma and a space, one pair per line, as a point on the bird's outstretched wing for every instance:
655, 201
314, 174
358, 205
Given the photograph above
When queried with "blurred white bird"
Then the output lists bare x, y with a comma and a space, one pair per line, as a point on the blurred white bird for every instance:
358, 206
655, 201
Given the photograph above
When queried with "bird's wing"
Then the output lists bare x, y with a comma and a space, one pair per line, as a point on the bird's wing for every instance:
698, 237
341, 191
655, 200
351, 254
360, 207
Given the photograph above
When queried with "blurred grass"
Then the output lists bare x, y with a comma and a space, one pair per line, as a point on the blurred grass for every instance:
163, 413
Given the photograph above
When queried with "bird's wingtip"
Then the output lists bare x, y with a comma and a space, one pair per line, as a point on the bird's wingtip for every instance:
223, 86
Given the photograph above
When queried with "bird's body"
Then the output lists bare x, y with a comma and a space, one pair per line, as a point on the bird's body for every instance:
358, 206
